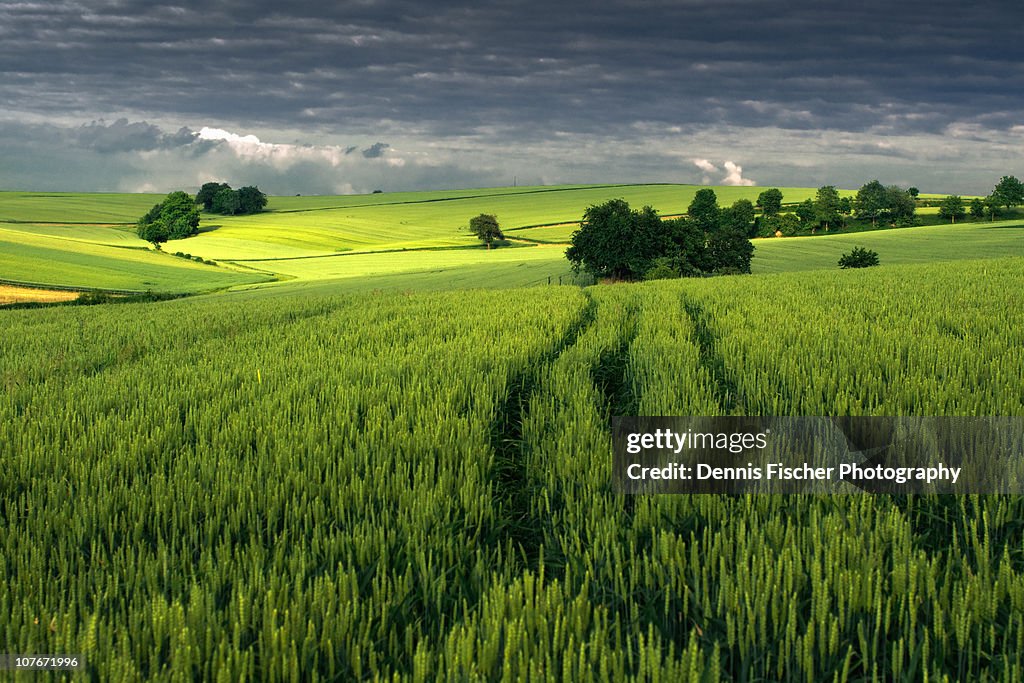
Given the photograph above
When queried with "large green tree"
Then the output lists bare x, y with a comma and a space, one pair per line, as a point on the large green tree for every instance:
176, 217
616, 241
952, 207
207, 192
806, 213
770, 202
827, 206
704, 210
486, 228
900, 206
739, 217
1008, 192
226, 202
251, 200
871, 201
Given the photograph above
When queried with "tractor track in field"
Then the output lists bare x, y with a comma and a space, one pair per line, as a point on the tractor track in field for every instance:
521, 527
727, 394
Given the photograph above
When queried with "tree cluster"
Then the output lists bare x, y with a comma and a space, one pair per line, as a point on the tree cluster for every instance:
619, 242
1008, 193
220, 198
175, 218
877, 202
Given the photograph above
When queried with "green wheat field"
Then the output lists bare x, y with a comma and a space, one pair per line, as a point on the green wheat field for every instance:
372, 449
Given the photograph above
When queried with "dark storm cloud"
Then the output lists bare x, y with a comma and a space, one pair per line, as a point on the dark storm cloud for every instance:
125, 136
375, 150
519, 73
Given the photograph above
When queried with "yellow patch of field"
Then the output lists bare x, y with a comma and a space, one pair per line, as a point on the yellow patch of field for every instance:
9, 294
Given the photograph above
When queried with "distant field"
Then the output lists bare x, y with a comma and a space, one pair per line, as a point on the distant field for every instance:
42, 259
404, 240
73, 207
897, 246
548, 258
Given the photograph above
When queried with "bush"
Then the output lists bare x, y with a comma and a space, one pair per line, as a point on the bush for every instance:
859, 258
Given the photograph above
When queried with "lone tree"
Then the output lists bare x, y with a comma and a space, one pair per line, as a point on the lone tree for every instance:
952, 207
175, 218
486, 228
859, 258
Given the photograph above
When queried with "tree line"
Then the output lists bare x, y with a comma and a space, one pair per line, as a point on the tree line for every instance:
1008, 193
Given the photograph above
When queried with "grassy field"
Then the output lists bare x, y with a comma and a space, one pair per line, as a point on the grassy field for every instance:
277, 484
898, 246
27, 256
397, 241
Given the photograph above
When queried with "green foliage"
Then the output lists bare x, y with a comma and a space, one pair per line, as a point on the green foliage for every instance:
977, 208
871, 201
846, 205
662, 268
770, 202
207, 193
806, 213
174, 218
739, 218
729, 252
251, 200
220, 198
704, 210
616, 241
859, 258
876, 202
827, 206
226, 202
899, 204
486, 228
952, 207
1008, 192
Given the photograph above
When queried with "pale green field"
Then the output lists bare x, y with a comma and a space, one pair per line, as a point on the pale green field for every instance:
74, 207
44, 259
897, 246
399, 241
434, 221
550, 258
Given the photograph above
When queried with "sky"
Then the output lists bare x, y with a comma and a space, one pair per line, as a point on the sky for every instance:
361, 95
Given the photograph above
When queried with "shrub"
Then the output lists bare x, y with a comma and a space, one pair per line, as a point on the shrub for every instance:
859, 258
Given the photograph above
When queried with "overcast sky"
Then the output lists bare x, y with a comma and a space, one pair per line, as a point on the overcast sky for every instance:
354, 96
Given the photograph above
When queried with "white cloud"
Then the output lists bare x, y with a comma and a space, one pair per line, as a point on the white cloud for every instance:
735, 175
705, 165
